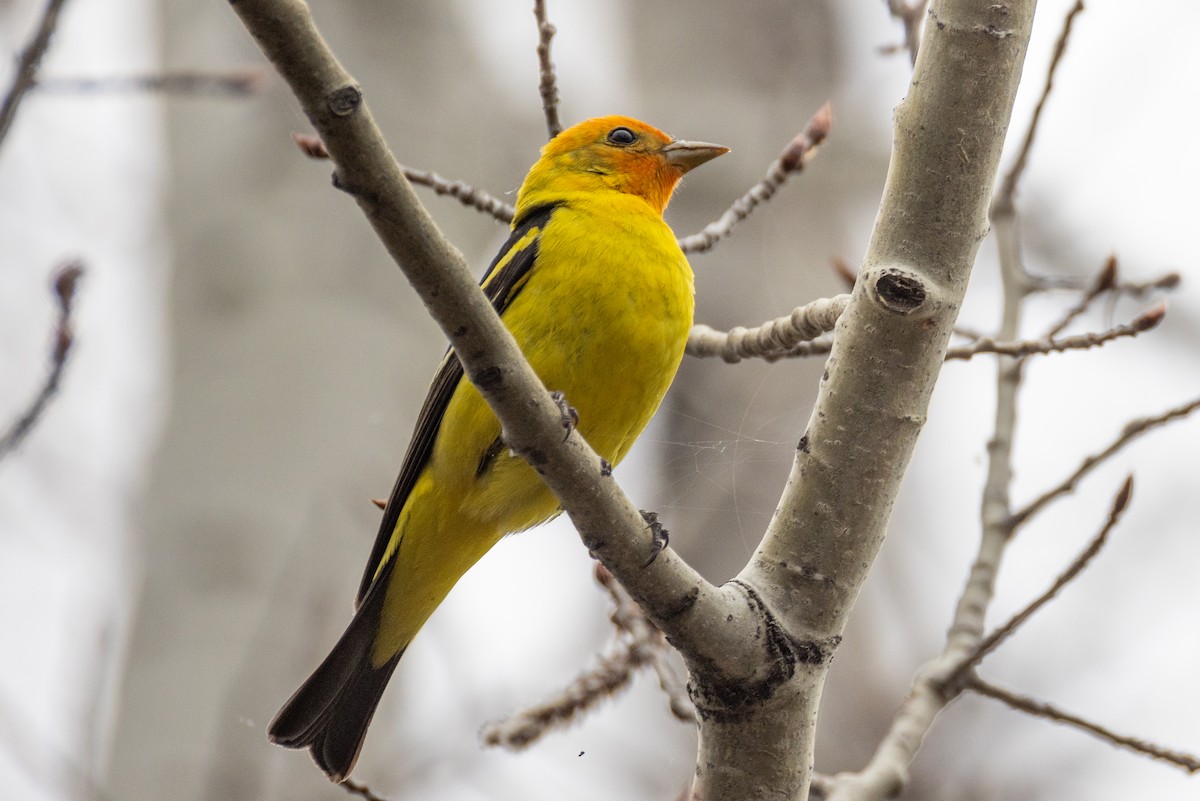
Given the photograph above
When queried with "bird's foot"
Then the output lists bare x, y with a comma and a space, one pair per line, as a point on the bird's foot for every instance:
570, 417
660, 534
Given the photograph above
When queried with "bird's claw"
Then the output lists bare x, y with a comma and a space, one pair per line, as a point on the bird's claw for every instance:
570, 417
661, 535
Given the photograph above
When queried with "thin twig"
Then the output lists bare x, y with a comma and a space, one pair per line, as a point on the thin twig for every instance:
1106, 279
361, 790
235, 83
1008, 187
911, 14
462, 191
1041, 709
27, 66
638, 644
628, 617
1132, 430
65, 282
1029, 347
793, 159
547, 80
773, 339
1000, 634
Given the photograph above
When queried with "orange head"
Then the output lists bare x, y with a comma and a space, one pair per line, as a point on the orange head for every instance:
613, 154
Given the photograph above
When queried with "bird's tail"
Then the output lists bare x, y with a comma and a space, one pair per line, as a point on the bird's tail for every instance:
330, 712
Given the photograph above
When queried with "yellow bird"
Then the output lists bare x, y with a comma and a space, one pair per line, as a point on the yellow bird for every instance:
597, 293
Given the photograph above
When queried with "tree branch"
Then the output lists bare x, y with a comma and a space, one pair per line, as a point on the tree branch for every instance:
66, 280
888, 350
1028, 347
793, 159
1040, 709
235, 83
773, 339
1132, 430
27, 65
952, 684
547, 80
638, 644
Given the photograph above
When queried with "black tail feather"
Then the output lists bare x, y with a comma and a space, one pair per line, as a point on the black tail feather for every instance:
331, 711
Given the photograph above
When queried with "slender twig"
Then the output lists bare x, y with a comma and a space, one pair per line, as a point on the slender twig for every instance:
774, 338
547, 80
1041, 709
793, 159
1132, 430
638, 644
628, 617
65, 282
361, 790
27, 66
462, 191
1008, 186
1029, 347
236, 83
911, 14
1001, 633
793, 336
1106, 279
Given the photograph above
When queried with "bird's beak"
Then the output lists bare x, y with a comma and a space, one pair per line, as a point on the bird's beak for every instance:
688, 155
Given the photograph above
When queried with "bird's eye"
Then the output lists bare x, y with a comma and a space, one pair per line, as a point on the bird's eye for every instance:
622, 136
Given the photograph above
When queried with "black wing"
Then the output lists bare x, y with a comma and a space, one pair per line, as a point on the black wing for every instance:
501, 283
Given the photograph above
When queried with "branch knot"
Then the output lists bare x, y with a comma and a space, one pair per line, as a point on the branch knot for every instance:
345, 100
900, 291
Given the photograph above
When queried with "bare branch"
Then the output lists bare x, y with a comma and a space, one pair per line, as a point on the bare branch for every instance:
235, 83
1040, 709
1029, 347
793, 159
361, 790
628, 617
65, 282
27, 65
612, 674
1132, 430
465, 193
1106, 279
911, 14
547, 80
639, 643
773, 339
999, 635
1008, 186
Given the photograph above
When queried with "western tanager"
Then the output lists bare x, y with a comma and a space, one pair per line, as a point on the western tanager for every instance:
597, 293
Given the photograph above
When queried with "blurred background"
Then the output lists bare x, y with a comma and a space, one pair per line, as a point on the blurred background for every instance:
182, 535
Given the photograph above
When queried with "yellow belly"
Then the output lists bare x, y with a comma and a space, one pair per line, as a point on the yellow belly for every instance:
607, 328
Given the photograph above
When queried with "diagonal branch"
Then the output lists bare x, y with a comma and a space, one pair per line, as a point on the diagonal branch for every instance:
1008, 187
992, 641
1132, 431
638, 644
65, 282
463, 192
1041, 709
792, 160
27, 65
